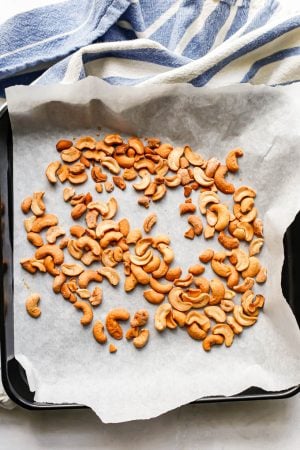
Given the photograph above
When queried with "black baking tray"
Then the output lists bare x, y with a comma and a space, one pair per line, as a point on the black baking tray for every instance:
13, 375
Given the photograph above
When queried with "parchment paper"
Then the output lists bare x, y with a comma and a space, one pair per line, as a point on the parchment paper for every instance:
62, 361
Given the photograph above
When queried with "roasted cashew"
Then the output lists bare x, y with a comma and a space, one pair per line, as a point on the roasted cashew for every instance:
109, 237
91, 218
261, 277
96, 297
195, 297
231, 159
258, 228
206, 256
160, 192
86, 308
201, 178
111, 164
105, 226
149, 222
99, 206
178, 317
112, 206
74, 250
86, 242
212, 165
98, 332
35, 239
51, 171
77, 178
233, 278
141, 340
160, 318
211, 218
247, 303
199, 318
217, 291
111, 275
184, 281
223, 216
234, 325
242, 318
196, 224
174, 158
152, 265
215, 313
85, 142
53, 233
212, 339
225, 331
176, 301
58, 281
142, 246
227, 305
37, 204
243, 260
112, 348
166, 251
134, 236
52, 250
146, 179
193, 158
72, 270
145, 164
252, 269
247, 204
87, 276
26, 205
32, 305
173, 181
140, 318
203, 284
142, 260
245, 286
130, 282
47, 220
83, 293
242, 192
50, 266
228, 241
112, 325
205, 198
222, 184
196, 332
196, 269
159, 287
141, 276
220, 268
173, 273
255, 246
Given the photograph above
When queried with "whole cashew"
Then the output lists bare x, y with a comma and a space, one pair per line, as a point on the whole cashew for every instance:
241, 318
199, 318
87, 276
112, 325
173, 273
98, 332
231, 159
130, 282
72, 270
174, 158
196, 332
37, 204
166, 251
255, 246
85, 142
206, 256
52, 250
109, 237
141, 276
228, 241
225, 331
53, 233
159, 287
32, 305
234, 325
242, 192
86, 308
47, 220
203, 284
111, 274
149, 222
161, 315
245, 286
217, 291
216, 313
161, 270
212, 339
223, 216
51, 171
152, 265
253, 268
177, 302
205, 198
223, 185
146, 179
141, 340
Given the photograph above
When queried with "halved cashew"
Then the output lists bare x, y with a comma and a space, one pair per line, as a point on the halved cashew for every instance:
86, 308
74, 250
77, 178
141, 340
233, 278
99, 206
222, 184
72, 270
38, 264
144, 163
196, 332
176, 301
211, 218
228, 241
195, 297
227, 305
37, 204
173, 181
220, 268
53, 233
203, 284
215, 313
141, 276
252, 269
111, 274
206, 256
202, 178
242, 192
98, 332
174, 158
161, 270
243, 230
229, 294
132, 333
196, 269
160, 192
167, 252
186, 208
124, 227
242, 318
170, 321
136, 144
173, 273
130, 282
243, 260
91, 218
142, 260
223, 216
247, 204
32, 305
109, 237
96, 297
146, 179
205, 198
153, 265
35, 239
196, 224
161, 168
255, 246
212, 339
134, 236
261, 277
199, 318
86, 242
159, 287
247, 302
258, 228
50, 266
83, 293
142, 246
217, 291
58, 281
160, 239
140, 318
88, 276
52, 250
245, 286
26, 205
234, 325
112, 206
149, 222
106, 225
193, 158
184, 281
178, 317
111, 164
112, 325
85, 142
225, 331
47, 220
160, 318
51, 171
249, 217
68, 155
231, 159
212, 165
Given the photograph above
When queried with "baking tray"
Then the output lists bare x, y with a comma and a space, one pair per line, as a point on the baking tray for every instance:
13, 375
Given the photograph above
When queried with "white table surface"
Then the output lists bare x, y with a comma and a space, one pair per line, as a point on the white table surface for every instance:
260, 425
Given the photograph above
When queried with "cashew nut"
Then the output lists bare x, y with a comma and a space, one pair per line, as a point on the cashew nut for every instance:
247, 204
26, 205
87, 311
32, 305
242, 192
83, 293
217, 291
228, 241
231, 159
255, 246
35, 239
196, 269
98, 332
112, 206
53, 233
88, 276
112, 325
51, 171
201, 178
140, 318
193, 158
245, 286
215, 313
205, 198
85, 142
111, 274
109, 237
146, 179
242, 318
141, 340
149, 222
223, 216
50, 266
212, 165
174, 158
159, 287
111, 164
176, 301
142, 260
236, 327
196, 332
212, 339
206, 256
258, 228
196, 224
58, 281
142, 246
184, 281
152, 265
160, 192
52, 250
233, 278
199, 318
112, 348
261, 277
203, 284
195, 297
222, 184
252, 269
227, 305
47, 220
173, 273
161, 316
243, 260
141, 276
225, 331
173, 181
211, 218
130, 282
72, 270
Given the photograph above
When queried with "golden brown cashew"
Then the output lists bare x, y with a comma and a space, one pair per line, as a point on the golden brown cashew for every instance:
203, 284
112, 348
205, 198
253, 268
160, 192
132, 333
223, 185
206, 256
242, 260
142, 246
233, 278
68, 193
50, 266
141, 276
174, 158
177, 302
74, 250
35, 239
26, 205
199, 318
153, 296
142, 260
245, 286
201, 178
109, 237
247, 204
255, 246
225, 331
211, 218
236, 327
184, 281
87, 242
242, 192
133, 236
231, 159
196, 269
85, 142
47, 220
99, 206
111, 275
149, 222
53, 233
83, 293
173, 273
212, 165
105, 226
51, 171
37, 205
195, 297
220, 268
52, 250
86, 308
193, 158
112, 325
72, 270
124, 227
215, 313
196, 224
32, 305
58, 281
152, 265
223, 216
173, 181
140, 318
96, 297
166, 251
161, 316
196, 332
88, 276
98, 332
228, 241
130, 282
141, 340
227, 305
261, 277
159, 287
160, 239
247, 302
241, 318
111, 164
258, 228
146, 179
212, 339
217, 291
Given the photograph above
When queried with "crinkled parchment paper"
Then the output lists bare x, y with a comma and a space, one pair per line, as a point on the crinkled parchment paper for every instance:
62, 360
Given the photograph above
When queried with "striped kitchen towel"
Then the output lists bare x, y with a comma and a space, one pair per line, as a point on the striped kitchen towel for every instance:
204, 42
